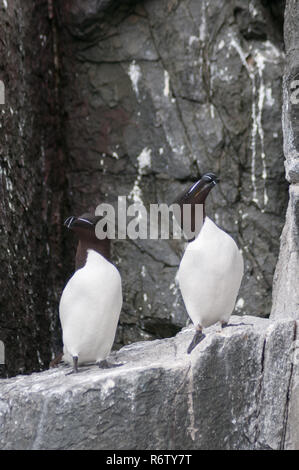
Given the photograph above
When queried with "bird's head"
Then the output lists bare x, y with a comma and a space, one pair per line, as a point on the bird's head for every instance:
193, 196
197, 193
84, 225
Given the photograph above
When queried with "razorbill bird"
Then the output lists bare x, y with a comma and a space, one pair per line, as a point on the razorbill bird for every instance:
91, 301
211, 269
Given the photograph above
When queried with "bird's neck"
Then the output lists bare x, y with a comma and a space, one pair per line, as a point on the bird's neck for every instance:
195, 228
203, 213
100, 246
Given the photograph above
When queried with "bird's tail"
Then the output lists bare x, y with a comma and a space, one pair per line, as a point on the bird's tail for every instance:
198, 337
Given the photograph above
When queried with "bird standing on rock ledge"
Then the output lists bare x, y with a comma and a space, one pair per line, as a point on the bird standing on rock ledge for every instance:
91, 301
211, 270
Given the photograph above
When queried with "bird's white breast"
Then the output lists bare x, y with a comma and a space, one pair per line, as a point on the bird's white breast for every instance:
210, 275
89, 310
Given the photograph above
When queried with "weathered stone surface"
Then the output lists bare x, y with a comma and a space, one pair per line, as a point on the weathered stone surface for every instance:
196, 85
232, 392
285, 286
31, 188
292, 415
290, 95
90, 86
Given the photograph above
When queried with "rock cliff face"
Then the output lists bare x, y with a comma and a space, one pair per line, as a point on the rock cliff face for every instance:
31, 188
155, 93
104, 100
237, 390
136, 99
285, 289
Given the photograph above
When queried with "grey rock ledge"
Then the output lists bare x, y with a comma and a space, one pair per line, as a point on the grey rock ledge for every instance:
237, 390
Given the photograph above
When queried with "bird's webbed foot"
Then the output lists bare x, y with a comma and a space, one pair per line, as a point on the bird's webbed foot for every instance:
198, 337
107, 365
75, 366
55, 362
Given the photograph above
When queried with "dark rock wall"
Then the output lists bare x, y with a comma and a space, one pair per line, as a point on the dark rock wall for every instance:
285, 286
31, 181
157, 92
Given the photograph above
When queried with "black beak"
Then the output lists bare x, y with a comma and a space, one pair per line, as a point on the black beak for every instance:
211, 177
84, 221
198, 192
